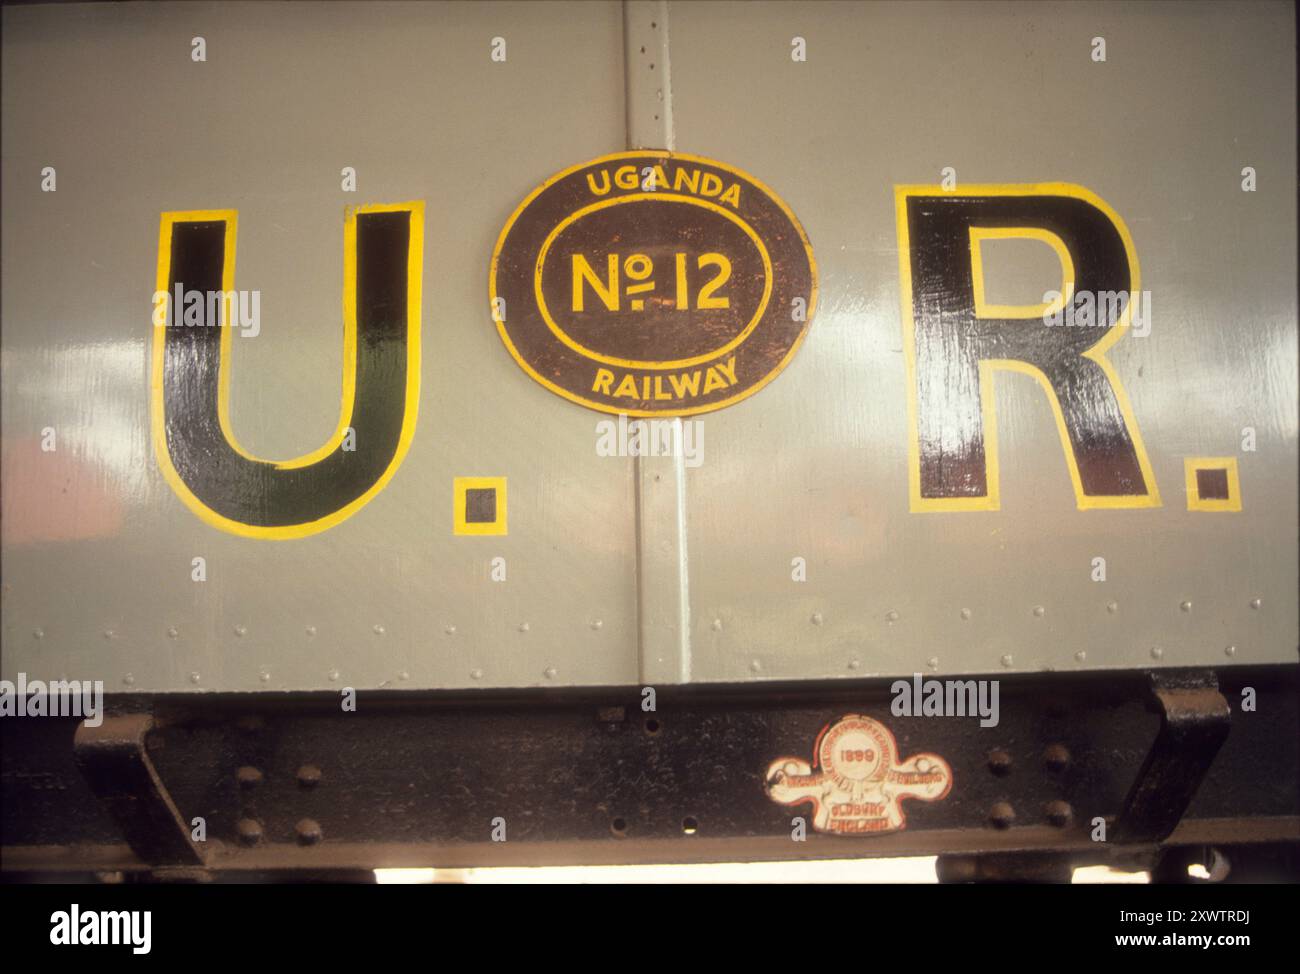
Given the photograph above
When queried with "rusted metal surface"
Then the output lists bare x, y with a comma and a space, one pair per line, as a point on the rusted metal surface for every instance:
418, 780
1195, 719
114, 758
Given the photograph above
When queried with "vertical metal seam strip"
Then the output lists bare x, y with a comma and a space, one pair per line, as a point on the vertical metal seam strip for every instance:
663, 593
647, 75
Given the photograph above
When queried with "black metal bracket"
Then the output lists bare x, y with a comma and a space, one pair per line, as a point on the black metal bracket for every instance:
115, 762
1194, 724
285, 785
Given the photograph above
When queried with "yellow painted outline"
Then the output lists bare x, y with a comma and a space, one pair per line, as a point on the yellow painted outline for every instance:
987, 367
459, 525
414, 269
613, 409
985, 310
1194, 500
559, 333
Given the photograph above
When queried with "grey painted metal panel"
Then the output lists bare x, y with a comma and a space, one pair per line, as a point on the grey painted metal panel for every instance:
814, 466
407, 94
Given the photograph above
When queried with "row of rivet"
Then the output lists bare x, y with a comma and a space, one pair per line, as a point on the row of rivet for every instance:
1038, 612
755, 666
816, 619
265, 676
242, 630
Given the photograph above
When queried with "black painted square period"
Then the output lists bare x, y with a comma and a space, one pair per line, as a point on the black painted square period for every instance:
480, 505
1212, 485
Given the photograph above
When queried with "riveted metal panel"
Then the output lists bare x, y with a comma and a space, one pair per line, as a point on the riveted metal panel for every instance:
98, 549
96, 542
816, 466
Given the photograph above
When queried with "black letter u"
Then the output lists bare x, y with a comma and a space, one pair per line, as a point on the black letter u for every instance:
223, 484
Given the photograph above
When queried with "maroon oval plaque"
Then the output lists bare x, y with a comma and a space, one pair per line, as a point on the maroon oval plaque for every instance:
652, 283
